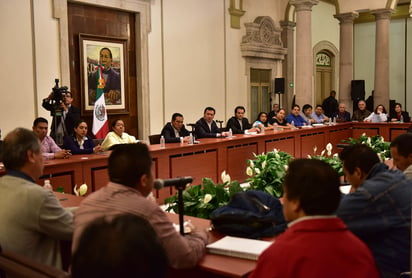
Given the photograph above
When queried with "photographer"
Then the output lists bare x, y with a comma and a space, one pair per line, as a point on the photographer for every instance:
64, 114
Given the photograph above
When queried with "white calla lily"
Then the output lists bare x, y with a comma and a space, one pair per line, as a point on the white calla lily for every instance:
251, 164
207, 198
225, 177
264, 164
315, 148
257, 170
249, 171
322, 153
82, 190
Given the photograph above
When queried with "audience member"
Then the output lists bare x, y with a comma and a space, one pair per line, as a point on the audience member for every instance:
117, 136
401, 152
369, 101
79, 142
126, 246
206, 127
175, 129
360, 114
399, 115
330, 104
307, 113
378, 210
275, 110
342, 115
377, 116
262, 122
317, 243
32, 220
318, 115
131, 181
280, 119
238, 123
295, 117
48, 147
62, 124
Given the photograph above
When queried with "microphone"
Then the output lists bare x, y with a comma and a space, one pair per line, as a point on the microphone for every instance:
182, 181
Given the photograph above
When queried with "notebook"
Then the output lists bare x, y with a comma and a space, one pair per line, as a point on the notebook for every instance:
239, 247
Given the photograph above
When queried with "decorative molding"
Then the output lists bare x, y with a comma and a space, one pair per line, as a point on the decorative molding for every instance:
263, 40
347, 18
141, 7
303, 5
382, 13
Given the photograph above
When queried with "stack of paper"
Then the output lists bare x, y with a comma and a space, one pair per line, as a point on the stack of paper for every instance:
239, 247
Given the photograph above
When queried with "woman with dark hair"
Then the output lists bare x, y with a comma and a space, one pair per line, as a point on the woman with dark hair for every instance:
117, 135
79, 142
377, 116
399, 115
262, 122
280, 119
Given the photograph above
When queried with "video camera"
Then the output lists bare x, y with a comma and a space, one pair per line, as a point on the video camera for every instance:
58, 93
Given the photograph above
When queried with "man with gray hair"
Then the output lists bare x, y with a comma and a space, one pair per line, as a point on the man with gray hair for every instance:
32, 220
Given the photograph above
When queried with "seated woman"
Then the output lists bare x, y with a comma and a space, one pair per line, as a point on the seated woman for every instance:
399, 115
307, 114
262, 122
280, 119
79, 142
117, 136
377, 116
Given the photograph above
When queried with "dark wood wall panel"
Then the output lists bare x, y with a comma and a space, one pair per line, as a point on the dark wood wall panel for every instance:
111, 23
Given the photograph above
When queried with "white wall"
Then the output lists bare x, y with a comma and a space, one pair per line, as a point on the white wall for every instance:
322, 19
17, 102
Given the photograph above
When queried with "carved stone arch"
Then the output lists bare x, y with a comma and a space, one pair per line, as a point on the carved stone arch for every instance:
262, 48
330, 48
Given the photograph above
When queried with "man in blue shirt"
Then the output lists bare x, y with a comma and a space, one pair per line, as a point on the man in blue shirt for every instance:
378, 210
318, 115
295, 117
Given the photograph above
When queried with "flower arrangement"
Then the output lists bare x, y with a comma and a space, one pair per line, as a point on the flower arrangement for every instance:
332, 160
200, 200
377, 143
267, 171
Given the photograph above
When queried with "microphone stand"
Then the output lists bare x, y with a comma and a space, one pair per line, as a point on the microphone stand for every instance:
180, 206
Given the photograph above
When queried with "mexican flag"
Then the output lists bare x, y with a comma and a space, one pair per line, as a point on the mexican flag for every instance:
100, 124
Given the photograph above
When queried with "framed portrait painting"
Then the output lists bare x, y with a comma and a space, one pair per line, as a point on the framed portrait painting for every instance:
108, 54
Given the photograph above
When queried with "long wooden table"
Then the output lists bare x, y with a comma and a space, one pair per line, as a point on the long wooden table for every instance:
210, 265
213, 155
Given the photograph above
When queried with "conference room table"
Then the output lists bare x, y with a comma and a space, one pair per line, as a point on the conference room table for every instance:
210, 265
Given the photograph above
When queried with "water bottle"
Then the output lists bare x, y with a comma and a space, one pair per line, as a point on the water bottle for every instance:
230, 133
275, 127
293, 124
47, 185
162, 142
190, 139
401, 119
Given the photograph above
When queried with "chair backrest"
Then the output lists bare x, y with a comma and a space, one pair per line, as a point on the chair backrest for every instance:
16, 266
154, 139
97, 141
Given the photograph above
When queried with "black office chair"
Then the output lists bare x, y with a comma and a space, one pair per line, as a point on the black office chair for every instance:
154, 139
16, 266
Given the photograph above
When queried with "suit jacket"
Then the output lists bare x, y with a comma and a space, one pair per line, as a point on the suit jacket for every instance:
203, 131
404, 114
169, 133
233, 123
32, 220
72, 116
70, 143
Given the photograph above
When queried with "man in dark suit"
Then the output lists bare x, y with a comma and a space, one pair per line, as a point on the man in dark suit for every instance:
238, 123
175, 129
62, 124
206, 127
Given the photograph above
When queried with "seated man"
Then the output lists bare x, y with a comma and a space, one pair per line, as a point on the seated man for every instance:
32, 220
238, 123
360, 114
131, 181
318, 115
49, 148
317, 243
401, 152
342, 115
128, 247
206, 127
378, 210
307, 113
295, 117
175, 129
